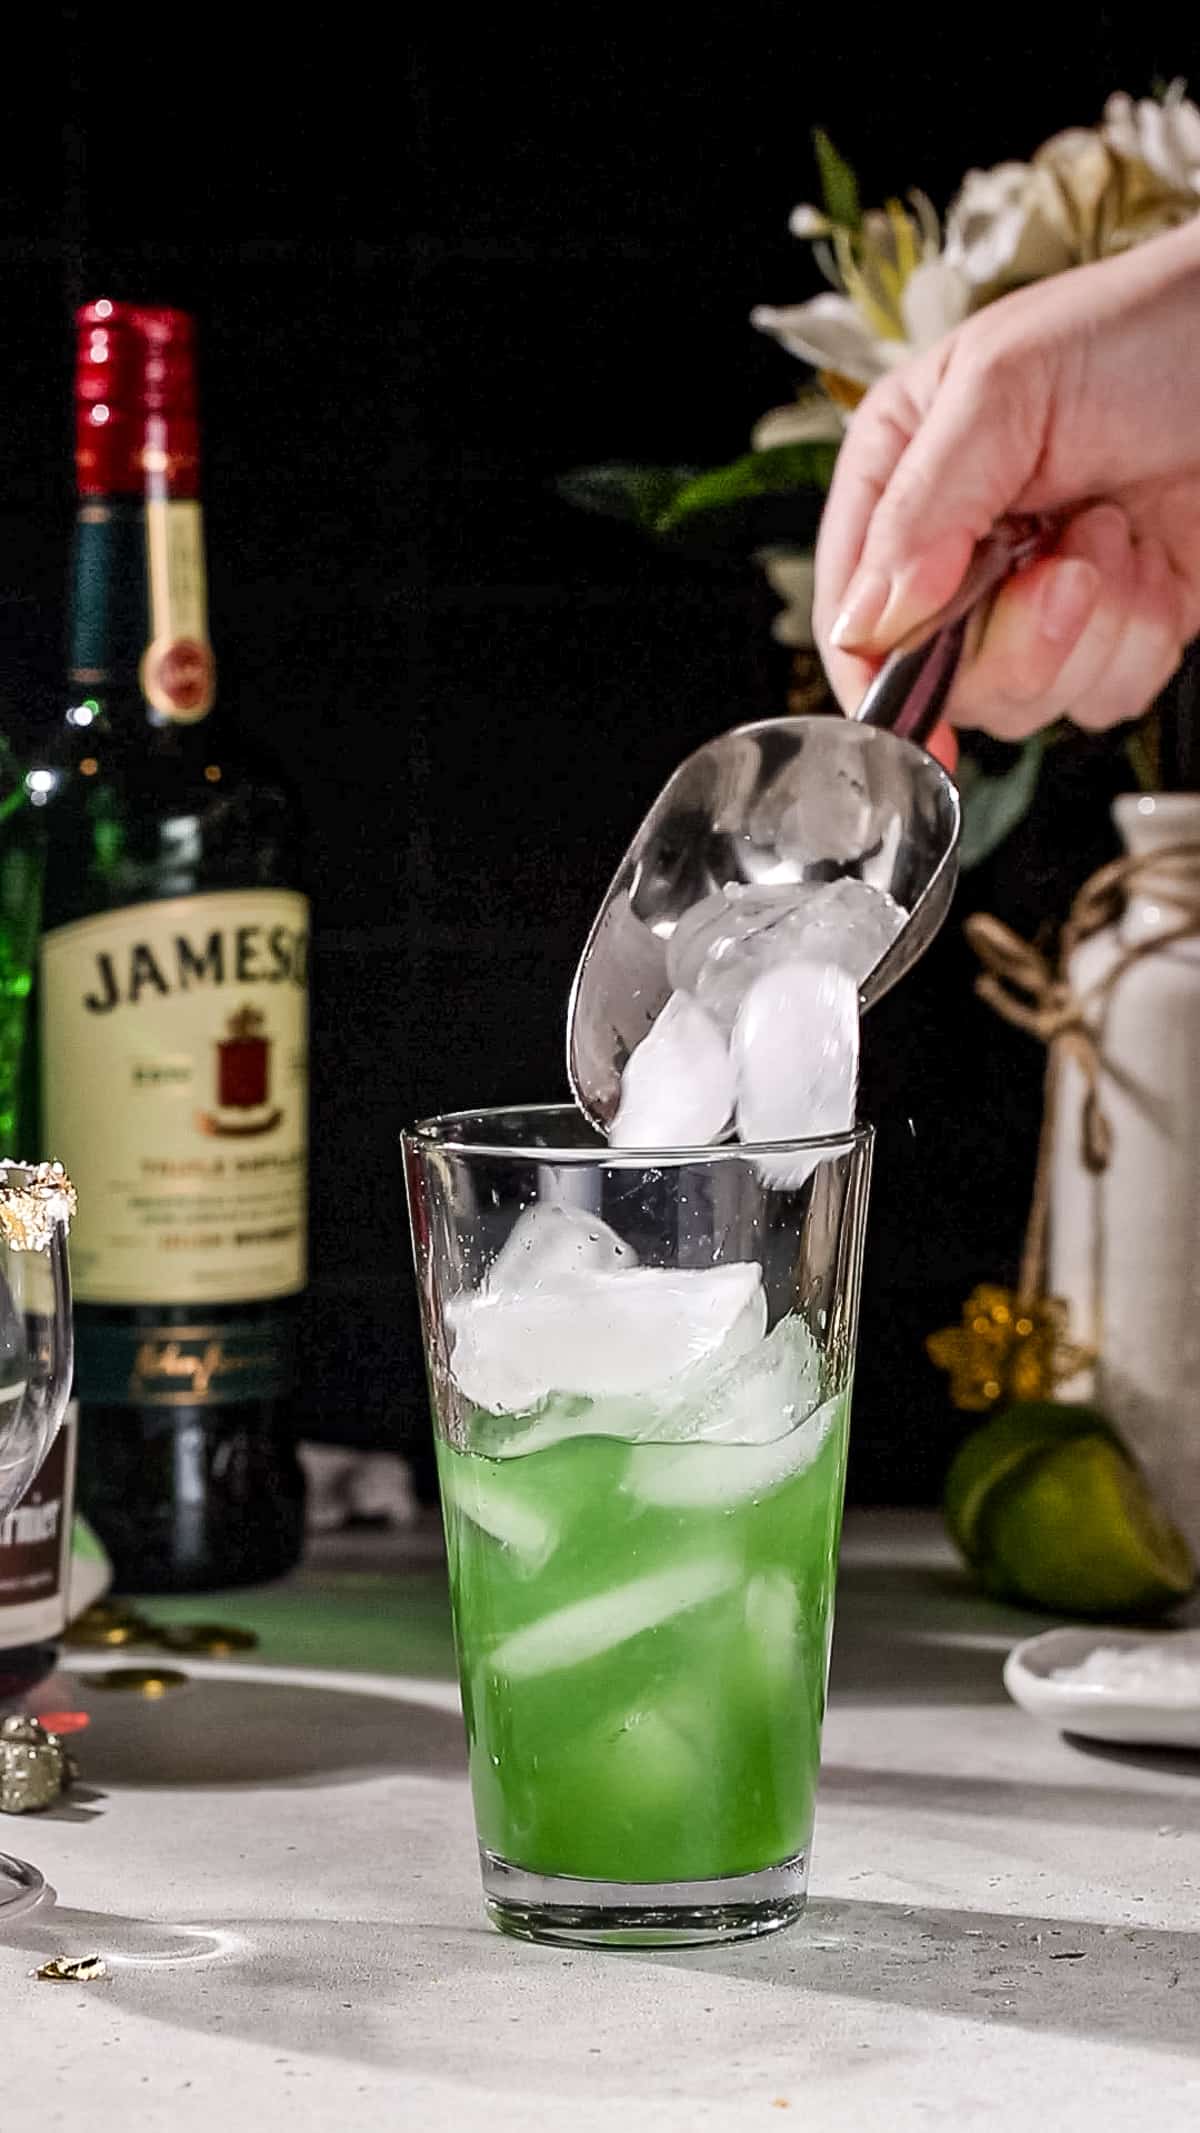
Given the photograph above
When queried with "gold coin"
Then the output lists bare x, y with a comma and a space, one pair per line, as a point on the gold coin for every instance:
107, 1628
148, 1681
212, 1640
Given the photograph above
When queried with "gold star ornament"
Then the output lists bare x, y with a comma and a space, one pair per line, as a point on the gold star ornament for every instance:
1006, 1348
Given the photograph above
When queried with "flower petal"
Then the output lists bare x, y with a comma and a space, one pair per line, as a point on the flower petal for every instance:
927, 218
793, 626
806, 221
1165, 136
793, 577
829, 331
790, 575
937, 297
813, 415
1008, 225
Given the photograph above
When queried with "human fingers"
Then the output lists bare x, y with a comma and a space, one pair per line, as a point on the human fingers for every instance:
968, 426
880, 433
1051, 630
1148, 651
1060, 643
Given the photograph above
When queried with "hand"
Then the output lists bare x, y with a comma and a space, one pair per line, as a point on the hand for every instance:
1080, 397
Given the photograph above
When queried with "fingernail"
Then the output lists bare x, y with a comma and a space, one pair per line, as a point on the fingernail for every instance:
861, 609
1105, 531
1069, 593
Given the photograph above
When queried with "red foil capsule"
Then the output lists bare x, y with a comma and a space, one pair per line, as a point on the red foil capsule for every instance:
136, 430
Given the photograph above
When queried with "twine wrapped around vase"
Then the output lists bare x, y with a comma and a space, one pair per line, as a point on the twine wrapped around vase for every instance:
1035, 994
1017, 1344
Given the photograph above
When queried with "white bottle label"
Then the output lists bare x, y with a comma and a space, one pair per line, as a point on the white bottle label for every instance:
35, 1548
175, 1086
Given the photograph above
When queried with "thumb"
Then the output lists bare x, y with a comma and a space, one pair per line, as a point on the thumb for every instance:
963, 464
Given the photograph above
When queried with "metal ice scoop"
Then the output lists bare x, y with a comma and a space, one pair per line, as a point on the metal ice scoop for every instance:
787, 800
911, 687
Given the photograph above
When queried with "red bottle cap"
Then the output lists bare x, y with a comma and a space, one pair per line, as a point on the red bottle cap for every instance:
135, 401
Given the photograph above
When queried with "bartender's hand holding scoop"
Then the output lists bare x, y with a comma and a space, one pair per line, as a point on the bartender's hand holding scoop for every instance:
1078, 397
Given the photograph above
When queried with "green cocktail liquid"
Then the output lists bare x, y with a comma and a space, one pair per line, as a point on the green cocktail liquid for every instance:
643, 1633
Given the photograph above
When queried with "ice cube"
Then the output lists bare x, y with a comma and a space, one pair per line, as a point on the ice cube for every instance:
738, 1401
752, 1396
795, 1053
677, 1086
554, 1422
479, 1491
562, 1416
715, 1476
850, 923
548, 1239
739, 1394
772, 1620
596, 1333
647, 1766
722, 944
716, 947
586, 1628
757, 1397
830, 818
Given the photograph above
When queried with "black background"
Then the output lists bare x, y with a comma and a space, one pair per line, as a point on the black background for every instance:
429, 279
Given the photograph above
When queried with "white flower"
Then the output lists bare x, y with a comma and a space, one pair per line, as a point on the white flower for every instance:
870, 323
899, 288
936, 298
831, 333
1108, 200
1002, 229
811, 418
1087, 194
792, 576
1165, 136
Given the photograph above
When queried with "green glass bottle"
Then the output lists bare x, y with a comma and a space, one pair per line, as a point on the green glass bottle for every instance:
172, 989
35, 1535
20, 906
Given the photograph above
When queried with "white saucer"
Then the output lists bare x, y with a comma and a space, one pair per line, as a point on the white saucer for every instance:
1101, 1713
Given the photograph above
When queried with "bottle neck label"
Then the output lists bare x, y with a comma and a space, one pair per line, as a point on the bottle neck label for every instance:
177, 671
139, 609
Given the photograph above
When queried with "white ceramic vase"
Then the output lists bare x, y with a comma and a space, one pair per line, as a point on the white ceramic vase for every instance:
1125, 1245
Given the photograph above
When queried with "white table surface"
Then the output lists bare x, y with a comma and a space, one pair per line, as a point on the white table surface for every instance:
1003, 1933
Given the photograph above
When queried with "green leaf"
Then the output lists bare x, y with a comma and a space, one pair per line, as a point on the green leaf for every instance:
639, 495
839, 186
773, 473
993, 806
1143, 747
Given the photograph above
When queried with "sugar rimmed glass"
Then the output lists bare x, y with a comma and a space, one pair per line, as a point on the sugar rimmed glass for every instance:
36, 1360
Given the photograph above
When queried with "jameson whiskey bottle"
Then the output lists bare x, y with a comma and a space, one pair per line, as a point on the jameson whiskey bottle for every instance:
173, 1011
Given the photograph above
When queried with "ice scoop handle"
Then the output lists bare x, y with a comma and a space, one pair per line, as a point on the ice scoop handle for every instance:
909, 692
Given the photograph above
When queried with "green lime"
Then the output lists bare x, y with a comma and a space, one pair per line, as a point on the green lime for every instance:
1074, 1529
992, 1453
